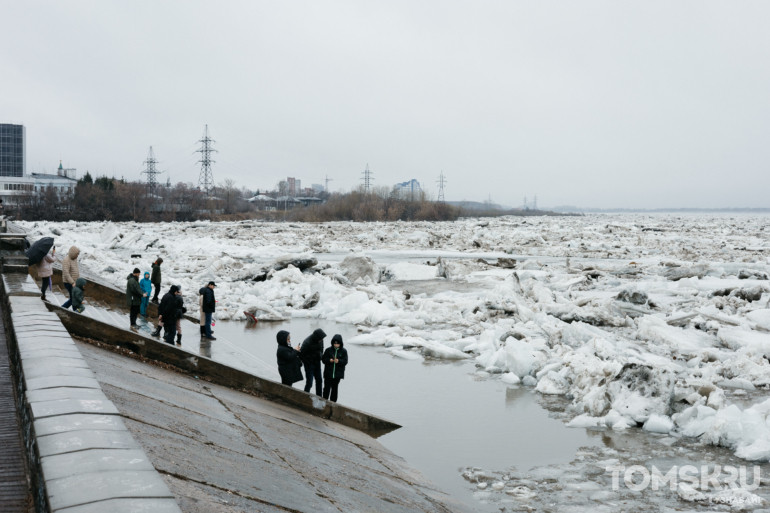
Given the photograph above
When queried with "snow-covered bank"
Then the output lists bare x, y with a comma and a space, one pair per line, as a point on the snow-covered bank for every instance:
659, 322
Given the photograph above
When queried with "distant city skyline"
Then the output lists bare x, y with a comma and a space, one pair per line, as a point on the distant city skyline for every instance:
596, 104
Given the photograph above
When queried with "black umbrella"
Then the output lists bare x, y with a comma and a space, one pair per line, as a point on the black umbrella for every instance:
39, 249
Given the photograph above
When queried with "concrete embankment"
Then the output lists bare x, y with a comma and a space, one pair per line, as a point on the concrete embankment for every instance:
121, 422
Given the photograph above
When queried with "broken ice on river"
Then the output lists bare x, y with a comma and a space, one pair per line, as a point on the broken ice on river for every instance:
659, 323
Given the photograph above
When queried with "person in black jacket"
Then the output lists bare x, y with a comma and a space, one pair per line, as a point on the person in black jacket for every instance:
289, 363
310, 352
167, 313
335, 359
208, 306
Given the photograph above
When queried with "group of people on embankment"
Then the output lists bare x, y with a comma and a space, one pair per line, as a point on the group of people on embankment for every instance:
171, 308
310, 355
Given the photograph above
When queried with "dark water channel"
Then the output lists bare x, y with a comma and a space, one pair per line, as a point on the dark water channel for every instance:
452, 417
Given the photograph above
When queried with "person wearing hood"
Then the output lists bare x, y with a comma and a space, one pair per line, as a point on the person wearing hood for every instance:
310, 352
78, 291
335, 358
45, 271
134, 297
167, 313
146, 285
70, 272
289, 362
156, 278
208, 306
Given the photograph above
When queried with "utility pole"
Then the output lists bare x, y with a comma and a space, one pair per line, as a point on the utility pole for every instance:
441, 181
534, 203
151, 171
206, 179
367, 179
326, 187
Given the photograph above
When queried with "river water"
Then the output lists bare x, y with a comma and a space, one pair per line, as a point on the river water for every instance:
453, 417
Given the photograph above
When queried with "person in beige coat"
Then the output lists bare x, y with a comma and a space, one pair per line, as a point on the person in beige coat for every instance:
45, 271
70, 272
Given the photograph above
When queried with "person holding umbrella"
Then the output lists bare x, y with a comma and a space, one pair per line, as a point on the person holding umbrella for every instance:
39, 254
45, 271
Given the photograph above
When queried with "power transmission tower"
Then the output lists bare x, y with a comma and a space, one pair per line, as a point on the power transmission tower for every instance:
367, 179
206, 179
151, 171
441, 181
326, 187
534, 204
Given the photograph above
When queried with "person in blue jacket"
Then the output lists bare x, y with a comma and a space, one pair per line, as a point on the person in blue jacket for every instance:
335, 359
146, 286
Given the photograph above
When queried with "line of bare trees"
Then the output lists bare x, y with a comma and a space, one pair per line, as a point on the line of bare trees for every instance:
115, 199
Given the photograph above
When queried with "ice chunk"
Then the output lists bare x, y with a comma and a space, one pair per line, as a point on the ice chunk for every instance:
658, 424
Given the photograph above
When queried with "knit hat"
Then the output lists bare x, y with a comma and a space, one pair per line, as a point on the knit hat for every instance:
136, 270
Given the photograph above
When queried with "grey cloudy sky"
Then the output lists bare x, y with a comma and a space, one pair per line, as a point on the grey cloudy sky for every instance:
588, 103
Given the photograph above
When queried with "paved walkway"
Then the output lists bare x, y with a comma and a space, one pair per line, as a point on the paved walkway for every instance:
14, 490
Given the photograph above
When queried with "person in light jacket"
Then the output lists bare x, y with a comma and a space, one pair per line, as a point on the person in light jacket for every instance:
45, 271
335, 359
70, 272
146, 285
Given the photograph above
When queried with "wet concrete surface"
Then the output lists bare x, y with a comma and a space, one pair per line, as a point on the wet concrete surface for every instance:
222, 450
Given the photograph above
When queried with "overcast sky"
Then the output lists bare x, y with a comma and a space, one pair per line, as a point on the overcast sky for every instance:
643, 104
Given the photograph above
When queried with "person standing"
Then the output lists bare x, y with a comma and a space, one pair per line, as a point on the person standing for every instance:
166, 313
134, 296
179, 313
335, 358
146, 286
208, 306
156, 278
310, 351
45, 271
70, 272
289, 363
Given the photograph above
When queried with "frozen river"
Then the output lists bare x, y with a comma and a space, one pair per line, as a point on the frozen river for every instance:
648, 335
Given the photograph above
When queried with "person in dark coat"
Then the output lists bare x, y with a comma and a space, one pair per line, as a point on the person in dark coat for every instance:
208, 306
134, 296
180, 311
289, 362
77, 295
155, 279
310, 352
167, 313
335, 358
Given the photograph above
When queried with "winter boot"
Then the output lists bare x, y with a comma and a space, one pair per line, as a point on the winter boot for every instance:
179, 339
156, 333
203, 331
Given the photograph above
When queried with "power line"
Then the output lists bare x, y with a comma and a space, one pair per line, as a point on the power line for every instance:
206, 178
